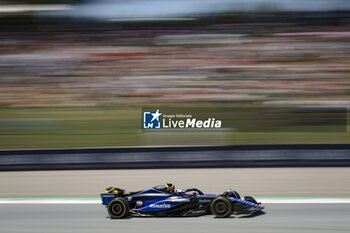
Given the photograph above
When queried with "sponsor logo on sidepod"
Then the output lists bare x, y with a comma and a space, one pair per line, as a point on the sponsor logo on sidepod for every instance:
139, 203
160, 206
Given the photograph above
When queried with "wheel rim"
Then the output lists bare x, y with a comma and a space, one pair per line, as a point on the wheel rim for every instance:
220, 207
117, 209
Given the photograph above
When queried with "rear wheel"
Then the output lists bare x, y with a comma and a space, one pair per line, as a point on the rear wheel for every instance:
118, 208
221, 207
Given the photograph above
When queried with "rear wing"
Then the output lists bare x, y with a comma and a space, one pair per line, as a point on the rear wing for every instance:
107, 198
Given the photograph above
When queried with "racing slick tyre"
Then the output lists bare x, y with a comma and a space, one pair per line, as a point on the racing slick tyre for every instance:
118, 208
221, 207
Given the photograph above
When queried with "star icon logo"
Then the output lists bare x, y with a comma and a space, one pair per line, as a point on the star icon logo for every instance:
156, 115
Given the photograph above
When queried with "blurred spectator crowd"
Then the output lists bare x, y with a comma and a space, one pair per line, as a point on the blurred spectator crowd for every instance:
105, 65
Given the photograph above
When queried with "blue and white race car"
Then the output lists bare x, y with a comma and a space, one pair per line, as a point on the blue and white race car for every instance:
157, 201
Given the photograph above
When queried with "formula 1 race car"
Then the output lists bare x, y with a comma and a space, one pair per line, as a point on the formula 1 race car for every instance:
157, 201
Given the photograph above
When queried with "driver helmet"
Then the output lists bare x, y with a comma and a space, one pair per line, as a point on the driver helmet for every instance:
170, 187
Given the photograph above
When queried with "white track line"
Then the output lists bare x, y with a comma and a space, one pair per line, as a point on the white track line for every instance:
94, 201
305, 201
51, 201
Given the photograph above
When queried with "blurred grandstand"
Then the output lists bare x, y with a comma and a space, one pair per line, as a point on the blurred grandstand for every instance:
64, 77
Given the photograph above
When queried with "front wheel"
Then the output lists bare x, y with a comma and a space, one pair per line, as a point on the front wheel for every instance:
221, 207
118, 208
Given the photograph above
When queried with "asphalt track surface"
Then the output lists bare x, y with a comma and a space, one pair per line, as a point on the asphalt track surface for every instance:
52, 218
257, 182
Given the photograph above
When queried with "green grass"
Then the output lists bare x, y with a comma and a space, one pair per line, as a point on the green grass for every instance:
27, 128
